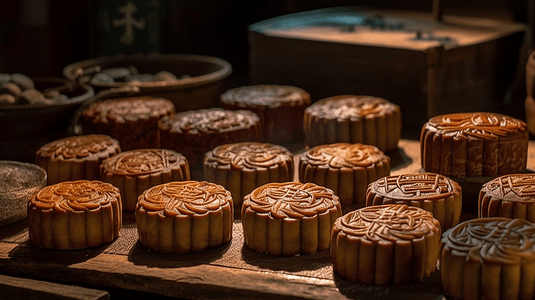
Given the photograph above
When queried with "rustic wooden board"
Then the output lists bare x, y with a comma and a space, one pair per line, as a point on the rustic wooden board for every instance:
229, 271
24, 288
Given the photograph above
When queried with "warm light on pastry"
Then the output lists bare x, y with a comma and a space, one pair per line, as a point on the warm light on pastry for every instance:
74, 215
135, 171
353, 119
474, 144
242, 167
195, 132
489, 258
76, 157
289, 218
345, 168
385, 244
432, 192
184, 216
510, 196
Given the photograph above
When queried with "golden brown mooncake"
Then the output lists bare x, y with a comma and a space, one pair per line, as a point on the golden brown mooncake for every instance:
132, 121
509, 196
289, 218
195, 132
184, 216
353, 119
279, 107
76, 157
75, 215
474, 144
385, 244
242, 167
489, 258
347, 169
433, 192
135, 171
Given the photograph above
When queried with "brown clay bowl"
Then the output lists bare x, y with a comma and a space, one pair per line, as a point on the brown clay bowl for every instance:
25, 128
200, 90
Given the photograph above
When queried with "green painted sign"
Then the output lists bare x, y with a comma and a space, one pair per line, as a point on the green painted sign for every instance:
130, 26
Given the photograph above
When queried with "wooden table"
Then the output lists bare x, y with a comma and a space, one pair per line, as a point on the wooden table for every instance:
229, 271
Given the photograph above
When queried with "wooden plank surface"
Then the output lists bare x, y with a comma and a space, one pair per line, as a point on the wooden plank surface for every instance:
229, 271
24, 288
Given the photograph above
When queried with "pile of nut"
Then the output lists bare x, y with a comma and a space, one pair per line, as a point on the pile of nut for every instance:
130, 74
19, 89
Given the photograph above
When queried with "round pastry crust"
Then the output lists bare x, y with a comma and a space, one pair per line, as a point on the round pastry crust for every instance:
122, 110
474, 144
184, 216
135, 171
353, 119
74, 215
132, 121
289, 218
279, 107
242, 167
509, 196
489, 258
209, 121
404, 239
76, 157
433, 192
268, 95
193, 133
345, 168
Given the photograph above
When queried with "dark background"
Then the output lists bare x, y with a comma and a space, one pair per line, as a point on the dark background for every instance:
40, 37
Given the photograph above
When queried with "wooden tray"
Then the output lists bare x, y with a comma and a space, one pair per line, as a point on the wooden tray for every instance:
229, 271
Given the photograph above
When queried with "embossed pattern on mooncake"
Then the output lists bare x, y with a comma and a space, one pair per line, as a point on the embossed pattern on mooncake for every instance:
385, 244
242, 167
345, 168
509, 196
135, 171
489, 258
132, 121
433, 192
184, 216
193, 133
74, 215
353, 119
265, 95
76, 157
279, 107
474, 144
289, 218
